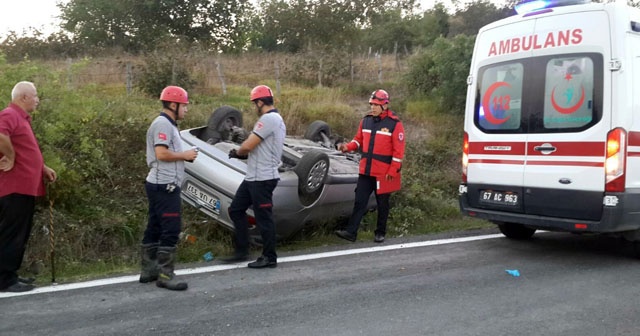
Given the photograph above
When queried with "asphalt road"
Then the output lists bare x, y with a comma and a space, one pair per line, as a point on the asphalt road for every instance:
568, 285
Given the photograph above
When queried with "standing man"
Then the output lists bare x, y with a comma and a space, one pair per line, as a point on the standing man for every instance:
165, 159
22, 177
380, 138
263, 151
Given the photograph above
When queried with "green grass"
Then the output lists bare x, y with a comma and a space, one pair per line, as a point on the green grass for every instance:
211, 237
93, 135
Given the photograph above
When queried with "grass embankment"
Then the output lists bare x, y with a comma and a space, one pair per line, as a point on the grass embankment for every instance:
93, 135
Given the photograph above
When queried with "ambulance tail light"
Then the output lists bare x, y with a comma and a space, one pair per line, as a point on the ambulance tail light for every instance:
614, 163
465, 157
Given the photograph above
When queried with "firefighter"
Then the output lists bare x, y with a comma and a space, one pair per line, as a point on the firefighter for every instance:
263, 152
380, 138
165, 158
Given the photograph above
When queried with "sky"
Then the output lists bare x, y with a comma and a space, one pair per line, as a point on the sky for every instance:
18, 15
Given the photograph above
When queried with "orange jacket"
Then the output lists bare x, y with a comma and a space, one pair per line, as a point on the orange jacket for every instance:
381, 141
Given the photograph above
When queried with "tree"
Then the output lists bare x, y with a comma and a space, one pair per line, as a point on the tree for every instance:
475, 15
293, 25
391, 29
441, 72
36, 46
138, 25
433, 24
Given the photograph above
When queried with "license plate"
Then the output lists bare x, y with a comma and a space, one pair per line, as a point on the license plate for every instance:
497, 197
204, 198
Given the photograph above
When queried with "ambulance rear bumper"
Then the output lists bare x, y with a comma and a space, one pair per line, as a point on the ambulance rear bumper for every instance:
622, 216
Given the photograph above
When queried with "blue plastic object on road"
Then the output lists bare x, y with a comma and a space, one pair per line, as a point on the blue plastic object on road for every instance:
208, 256
515, 273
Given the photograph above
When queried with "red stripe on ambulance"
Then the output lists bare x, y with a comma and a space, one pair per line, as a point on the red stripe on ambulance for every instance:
590, 149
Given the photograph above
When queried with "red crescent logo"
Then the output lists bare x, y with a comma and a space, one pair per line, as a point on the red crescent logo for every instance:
570, 109
486, 99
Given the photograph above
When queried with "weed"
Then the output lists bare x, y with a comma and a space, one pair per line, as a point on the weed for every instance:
92, 134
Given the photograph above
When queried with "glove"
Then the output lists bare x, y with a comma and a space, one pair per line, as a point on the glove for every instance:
233, 154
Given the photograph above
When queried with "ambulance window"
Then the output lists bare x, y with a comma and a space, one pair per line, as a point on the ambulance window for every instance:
568, 94
499, 107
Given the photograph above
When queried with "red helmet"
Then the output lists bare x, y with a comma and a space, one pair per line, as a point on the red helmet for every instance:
379, 97
261, 91
174, 94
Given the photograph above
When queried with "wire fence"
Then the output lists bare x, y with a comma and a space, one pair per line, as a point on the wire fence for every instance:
217, 73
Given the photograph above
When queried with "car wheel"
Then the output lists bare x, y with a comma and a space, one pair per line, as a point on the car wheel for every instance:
221, 123
312, 171
318, 131
516, 231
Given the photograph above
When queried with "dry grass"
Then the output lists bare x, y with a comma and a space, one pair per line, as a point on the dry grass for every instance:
109, 243
208, 69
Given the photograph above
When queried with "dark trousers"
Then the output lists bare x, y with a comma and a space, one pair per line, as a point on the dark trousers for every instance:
16, 220
259, 195
165, 221
365, 186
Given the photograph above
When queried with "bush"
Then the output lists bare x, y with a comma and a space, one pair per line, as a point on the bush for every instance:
161, 69
331, 64
57, 45
441, 72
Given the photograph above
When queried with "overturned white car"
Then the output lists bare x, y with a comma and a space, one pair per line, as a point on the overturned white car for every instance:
317, 182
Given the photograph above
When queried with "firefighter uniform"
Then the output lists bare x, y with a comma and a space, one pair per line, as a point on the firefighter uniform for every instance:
381, 142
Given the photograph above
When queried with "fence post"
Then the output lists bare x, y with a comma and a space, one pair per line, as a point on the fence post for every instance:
221, 77
395, 56
379, 59
173, 73
320, 73
277, 66
351, 66
129, 78
69, 64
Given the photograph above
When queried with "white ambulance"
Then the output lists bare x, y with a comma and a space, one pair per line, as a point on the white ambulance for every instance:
552, 121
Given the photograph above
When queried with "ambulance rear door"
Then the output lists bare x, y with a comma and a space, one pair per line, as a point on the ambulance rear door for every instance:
568, 116
495, 121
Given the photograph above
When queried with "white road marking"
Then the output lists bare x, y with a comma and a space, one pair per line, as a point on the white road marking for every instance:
217, 268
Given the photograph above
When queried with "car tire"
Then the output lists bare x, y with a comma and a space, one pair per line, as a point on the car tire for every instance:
316, 129
220, 124
516, 231
312, 171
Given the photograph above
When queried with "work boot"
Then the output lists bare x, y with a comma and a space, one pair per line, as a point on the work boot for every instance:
166, 279
236, 257
148, 263
346, 235
18, 287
